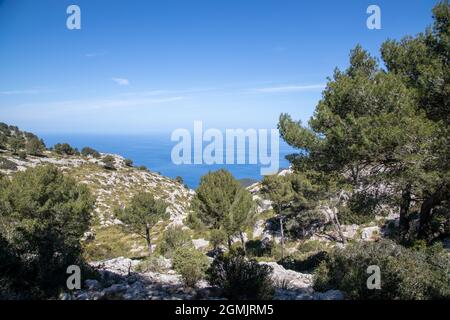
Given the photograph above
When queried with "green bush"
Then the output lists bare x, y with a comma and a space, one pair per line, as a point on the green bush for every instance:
405, 273
43, 217
307, 264
172, 239
65, 149
108, 162
191, 264
128, 162
22, 155
35, 147
179, 179
241, 278
87, 151
259, 248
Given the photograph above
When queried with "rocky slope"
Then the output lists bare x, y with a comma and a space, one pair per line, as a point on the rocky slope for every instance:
111, 189
119, 281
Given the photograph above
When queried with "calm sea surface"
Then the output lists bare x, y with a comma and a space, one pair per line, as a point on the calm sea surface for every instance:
154, 151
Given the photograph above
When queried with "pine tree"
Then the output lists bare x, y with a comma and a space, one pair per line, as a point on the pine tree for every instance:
388, 128
142, 214
222, 203
279, 190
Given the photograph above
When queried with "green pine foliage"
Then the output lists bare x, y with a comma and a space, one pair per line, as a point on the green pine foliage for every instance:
43, 216
142, 214
222, 203
386, 127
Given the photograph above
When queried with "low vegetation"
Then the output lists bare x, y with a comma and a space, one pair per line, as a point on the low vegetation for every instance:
191, 264
241, 278
407, 274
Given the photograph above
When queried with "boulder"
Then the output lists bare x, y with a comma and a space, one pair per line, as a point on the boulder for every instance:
200, 243
291, 278
92, 284
114, 292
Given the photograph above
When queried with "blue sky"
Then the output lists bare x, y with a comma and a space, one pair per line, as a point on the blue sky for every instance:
143, 66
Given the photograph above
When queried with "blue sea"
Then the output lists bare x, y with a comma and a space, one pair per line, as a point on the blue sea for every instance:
154, 151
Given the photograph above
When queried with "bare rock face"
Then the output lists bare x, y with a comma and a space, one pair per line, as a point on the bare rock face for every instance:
292, 285
121, 266
200, 243
289, 278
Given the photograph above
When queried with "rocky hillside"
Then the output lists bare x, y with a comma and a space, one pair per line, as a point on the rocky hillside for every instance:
112, 188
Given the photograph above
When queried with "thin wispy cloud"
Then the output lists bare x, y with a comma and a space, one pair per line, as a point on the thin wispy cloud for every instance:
114, 103
95, 54
105, 103
19, 92
290, 88
121, 81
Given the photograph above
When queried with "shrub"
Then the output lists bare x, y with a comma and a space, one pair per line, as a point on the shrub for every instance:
3, 141
35, 147
16, 144
259, 248
22, 155
108, 162
241, 278
87, 151
43, 217
172, 239
307, 264
179, 179
405, 273
65, 149
128, 162
191, 264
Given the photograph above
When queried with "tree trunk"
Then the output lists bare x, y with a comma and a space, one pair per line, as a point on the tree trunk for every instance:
282, 237
404, 209
229, 243
149, 239
425, 214
338, 228
243, 242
